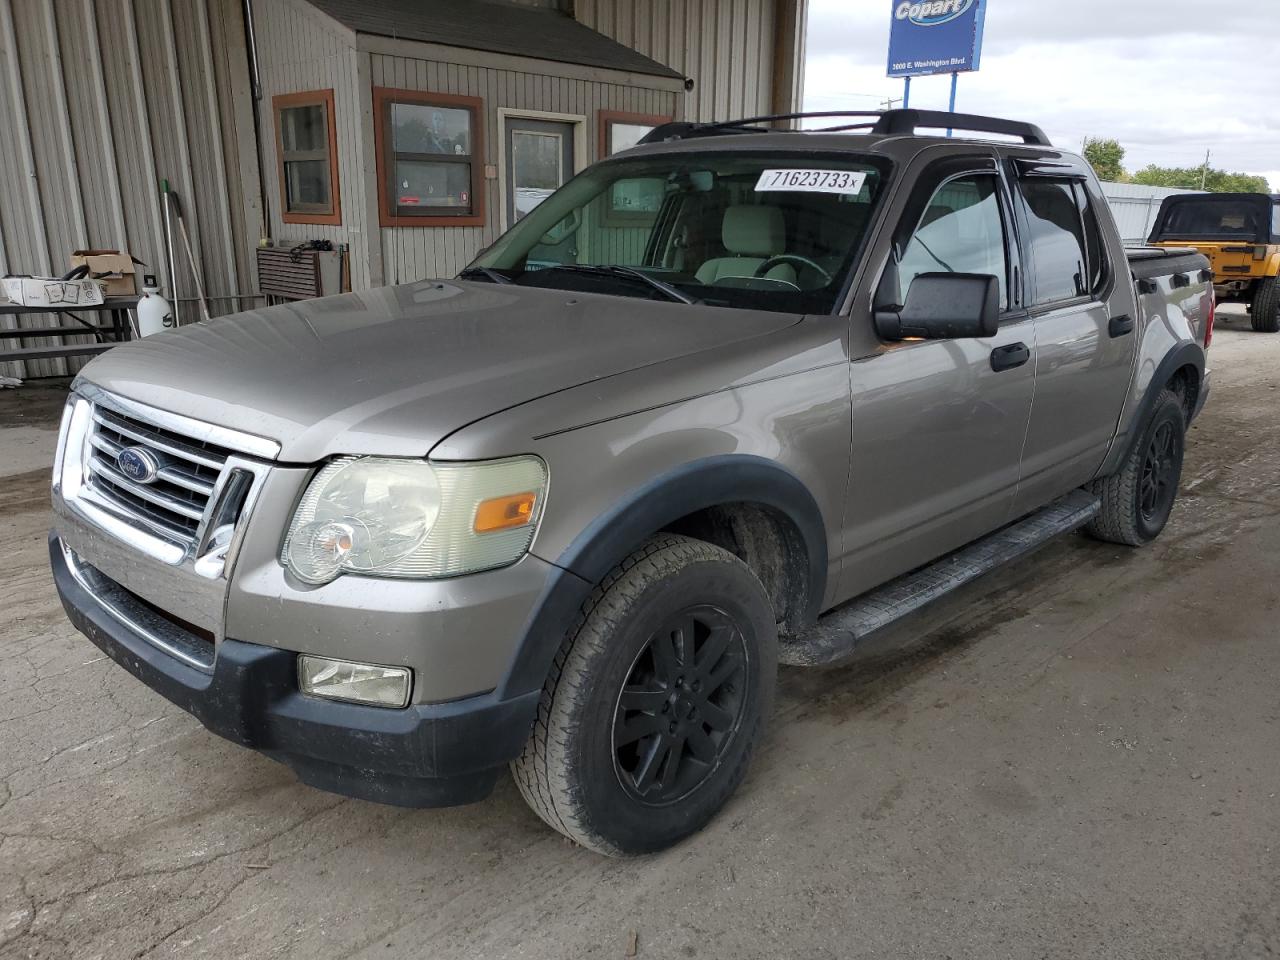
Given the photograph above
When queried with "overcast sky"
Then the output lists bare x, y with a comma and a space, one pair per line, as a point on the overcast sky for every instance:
1167, 78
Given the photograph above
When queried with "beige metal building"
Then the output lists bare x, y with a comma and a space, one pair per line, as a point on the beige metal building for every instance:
409, 132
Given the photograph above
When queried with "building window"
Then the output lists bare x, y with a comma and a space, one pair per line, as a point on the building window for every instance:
430, 159
306, 142
621, 131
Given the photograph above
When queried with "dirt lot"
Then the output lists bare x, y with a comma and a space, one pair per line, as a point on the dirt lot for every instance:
1078, 757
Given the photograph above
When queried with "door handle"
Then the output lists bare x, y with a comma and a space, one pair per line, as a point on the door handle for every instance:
1009, 356
1120, 325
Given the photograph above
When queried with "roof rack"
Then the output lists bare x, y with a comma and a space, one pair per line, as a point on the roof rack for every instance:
887, 122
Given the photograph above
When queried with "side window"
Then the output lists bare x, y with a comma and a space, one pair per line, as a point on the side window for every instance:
1097, 255
1056, 239
961, 231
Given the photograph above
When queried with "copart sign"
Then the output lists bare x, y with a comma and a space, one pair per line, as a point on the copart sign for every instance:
935, 36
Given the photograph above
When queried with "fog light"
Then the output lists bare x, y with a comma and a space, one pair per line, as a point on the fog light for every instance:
366, 683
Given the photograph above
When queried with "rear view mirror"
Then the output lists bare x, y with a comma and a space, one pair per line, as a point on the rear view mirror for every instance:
942, 306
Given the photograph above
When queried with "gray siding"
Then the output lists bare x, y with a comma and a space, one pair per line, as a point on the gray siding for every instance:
301, 49
411, 253
99, 100
725, 46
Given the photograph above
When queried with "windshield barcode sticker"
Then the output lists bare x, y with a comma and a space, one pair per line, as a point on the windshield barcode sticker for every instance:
812, 181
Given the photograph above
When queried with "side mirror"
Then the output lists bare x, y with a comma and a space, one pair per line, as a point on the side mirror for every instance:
942, 306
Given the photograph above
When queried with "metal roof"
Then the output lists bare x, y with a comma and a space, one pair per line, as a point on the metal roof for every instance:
493, 26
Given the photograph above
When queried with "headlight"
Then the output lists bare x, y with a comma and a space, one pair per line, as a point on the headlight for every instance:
409, 518
69, 457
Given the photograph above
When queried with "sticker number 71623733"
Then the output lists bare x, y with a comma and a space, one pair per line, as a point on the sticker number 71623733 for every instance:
812, 181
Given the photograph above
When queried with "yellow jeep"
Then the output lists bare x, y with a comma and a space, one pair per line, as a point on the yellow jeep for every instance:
1240, 234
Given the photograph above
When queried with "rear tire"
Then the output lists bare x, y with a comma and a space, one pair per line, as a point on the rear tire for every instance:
1264, 310
1138, 498
655, 702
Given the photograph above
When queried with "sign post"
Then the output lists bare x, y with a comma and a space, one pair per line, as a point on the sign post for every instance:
935, 36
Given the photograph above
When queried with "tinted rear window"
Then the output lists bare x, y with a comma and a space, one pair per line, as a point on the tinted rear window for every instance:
1215, 218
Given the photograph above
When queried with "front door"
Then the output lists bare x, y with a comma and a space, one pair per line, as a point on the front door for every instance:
539, 158
938, 425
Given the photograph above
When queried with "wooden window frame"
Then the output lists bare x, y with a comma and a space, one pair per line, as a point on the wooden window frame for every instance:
308, 98
388, 216
606, 118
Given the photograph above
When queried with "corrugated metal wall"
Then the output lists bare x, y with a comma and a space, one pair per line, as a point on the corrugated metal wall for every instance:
99, 100
725, 46
1135, 206
411, 253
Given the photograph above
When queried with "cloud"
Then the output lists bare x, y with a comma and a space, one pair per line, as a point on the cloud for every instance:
1167, 80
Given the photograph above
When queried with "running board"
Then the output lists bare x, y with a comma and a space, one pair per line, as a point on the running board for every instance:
836, 633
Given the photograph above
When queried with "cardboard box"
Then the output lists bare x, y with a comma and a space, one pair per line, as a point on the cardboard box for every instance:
52, 292
114, 267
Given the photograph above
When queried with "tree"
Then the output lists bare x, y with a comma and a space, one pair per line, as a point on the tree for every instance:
1191, 178
1106, 157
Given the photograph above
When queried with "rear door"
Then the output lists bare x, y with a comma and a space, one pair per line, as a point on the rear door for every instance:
938, 425
1084, 331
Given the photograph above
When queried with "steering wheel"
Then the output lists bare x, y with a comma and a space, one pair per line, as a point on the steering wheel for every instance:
794, 259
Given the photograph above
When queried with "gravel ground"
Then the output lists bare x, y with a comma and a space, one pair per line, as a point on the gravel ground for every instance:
1076, 757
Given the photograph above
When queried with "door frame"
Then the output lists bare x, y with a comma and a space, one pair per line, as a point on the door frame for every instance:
579, 122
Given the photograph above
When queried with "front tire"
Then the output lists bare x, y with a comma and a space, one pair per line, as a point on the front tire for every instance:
655, 702
1138, 498
1264, 312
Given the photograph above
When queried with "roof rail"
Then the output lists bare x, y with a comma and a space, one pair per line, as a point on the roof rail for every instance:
888, 122
685, 130
907, 121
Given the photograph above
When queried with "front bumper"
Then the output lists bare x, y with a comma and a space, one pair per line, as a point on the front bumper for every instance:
425, 755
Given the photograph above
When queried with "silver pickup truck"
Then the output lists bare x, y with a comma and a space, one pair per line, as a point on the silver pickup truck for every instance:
735, 397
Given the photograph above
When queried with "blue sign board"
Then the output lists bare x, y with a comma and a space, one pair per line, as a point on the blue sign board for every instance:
935, 36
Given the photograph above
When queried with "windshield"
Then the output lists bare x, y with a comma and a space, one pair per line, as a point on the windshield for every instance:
774, 231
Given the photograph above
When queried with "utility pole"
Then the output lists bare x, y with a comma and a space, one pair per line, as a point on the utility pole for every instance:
1204, 173
888, 102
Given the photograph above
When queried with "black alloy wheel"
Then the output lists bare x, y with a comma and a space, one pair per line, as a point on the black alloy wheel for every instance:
680, 706
1160, 470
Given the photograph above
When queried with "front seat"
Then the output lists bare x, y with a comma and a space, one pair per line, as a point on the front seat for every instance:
752, 234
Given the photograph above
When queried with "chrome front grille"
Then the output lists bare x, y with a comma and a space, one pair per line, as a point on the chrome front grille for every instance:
175, 502
176, 489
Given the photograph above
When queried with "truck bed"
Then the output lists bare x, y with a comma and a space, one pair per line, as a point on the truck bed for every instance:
1147, 263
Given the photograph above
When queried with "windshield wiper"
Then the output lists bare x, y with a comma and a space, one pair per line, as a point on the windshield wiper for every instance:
629, 273
477, 273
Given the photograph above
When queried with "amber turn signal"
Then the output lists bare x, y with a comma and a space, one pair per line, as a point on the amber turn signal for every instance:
503, 513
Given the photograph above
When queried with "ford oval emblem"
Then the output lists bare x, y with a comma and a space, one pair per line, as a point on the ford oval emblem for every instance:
138, 464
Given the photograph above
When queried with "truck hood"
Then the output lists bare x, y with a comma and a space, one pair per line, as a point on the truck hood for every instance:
393, 371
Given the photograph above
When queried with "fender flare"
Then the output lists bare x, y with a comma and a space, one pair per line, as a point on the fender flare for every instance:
1187, 354
709, 482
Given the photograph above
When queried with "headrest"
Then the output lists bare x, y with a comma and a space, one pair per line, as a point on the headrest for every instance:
753, 231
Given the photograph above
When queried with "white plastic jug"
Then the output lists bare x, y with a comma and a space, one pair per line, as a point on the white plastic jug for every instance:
154, 314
